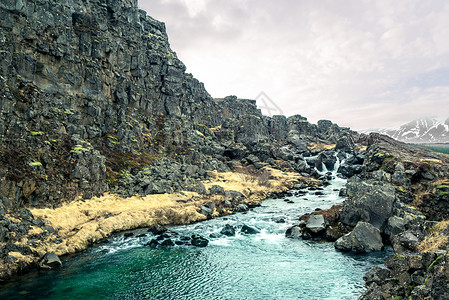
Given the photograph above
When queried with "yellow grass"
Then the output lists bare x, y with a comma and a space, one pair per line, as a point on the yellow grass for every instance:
432, 160
360, 148
83, 222
320, 146
438, 239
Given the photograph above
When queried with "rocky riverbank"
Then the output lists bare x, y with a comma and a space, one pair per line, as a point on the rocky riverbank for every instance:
399, 199
79, 224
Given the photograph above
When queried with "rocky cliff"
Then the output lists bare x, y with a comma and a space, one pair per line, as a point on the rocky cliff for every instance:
94, 100
92, 93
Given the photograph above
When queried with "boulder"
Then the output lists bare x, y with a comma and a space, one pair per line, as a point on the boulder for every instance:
368, 201
249, 230
394, 226
216, 190
241, 207
197, 188
199, 241
364, 238
50, 261
294, 232
206, 211
406, 242
168, 243
228, 230
315, 224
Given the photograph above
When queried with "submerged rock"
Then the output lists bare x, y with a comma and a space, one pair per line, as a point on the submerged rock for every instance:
228, 230
199, 241
249, 230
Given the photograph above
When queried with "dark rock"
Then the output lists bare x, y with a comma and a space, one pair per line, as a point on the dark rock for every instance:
294, 232
368, 201
406, 242
394, 226
364, 238
157, 229
198, 188
199, 241
50, 261
315, 224
167, 243
128, 234
216, 190
214, 235
278, 220
241, 207
376, 275
228, 230
153, 243
249, 230
206, 211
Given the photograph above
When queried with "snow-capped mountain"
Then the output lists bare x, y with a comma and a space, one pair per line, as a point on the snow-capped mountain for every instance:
426, 130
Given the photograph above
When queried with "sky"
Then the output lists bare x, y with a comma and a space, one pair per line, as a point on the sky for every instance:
359, 63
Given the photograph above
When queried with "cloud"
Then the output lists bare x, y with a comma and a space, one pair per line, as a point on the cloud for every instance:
360, 63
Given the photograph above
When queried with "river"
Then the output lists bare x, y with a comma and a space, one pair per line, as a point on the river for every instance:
259, 266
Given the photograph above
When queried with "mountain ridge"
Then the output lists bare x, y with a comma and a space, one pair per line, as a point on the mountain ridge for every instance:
419, 131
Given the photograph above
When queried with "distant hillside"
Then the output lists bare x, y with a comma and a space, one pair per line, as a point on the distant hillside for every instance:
426, 130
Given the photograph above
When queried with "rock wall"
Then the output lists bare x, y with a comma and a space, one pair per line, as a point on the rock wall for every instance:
92, 94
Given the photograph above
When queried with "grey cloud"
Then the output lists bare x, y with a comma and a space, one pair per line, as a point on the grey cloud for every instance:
357, 62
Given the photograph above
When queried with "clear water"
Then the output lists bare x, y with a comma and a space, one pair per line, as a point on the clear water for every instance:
262, 266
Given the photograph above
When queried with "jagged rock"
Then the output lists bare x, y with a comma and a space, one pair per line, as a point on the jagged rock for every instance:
278, 220
228, 230
368, 201
216, 190
206, 211
326, 158
249, 230
364, 238
153, 243
167, 243
405, 242
315, 224
294, 232
198, 188
241, 207
394, 226
50, 261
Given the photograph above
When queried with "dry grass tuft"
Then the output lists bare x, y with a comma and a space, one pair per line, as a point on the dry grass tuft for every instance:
438, 239
320, 146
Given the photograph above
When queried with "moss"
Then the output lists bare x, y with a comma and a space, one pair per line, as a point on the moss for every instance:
442, 186
36, 133
436, 261
401, 189
78, 149
68, 111
35, 163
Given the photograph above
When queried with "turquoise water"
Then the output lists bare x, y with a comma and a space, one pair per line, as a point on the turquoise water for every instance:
261, 266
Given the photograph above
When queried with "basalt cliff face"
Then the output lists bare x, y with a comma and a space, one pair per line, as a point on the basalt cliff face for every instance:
94, 100
91, 93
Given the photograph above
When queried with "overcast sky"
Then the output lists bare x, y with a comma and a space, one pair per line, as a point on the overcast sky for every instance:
360, 63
